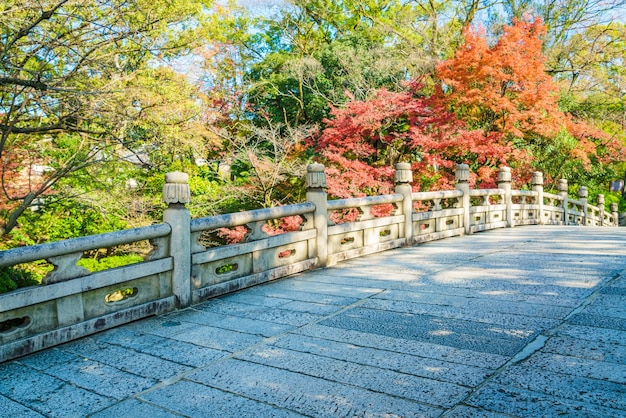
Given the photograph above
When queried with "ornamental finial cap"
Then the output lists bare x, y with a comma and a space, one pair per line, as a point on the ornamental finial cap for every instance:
315, 176
600, 199
176, 188
504, 175
403, 173
462, 173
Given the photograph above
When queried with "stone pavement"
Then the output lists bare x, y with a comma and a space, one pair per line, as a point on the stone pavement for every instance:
524, 322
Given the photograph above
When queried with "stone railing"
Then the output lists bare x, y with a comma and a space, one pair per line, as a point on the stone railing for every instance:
185, 267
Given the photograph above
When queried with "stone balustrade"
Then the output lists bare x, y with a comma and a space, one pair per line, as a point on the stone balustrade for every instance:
185, 266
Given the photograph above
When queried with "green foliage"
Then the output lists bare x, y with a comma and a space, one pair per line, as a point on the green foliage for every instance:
93, 264
107, 97
613, 197
12, 278
63, 220
80, 88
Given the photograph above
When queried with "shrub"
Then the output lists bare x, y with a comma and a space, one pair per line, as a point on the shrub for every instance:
12, 278
106, 263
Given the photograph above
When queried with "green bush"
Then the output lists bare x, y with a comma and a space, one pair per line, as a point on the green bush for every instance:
105, 263
12, 278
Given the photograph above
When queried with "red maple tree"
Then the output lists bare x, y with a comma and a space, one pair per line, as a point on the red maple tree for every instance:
363, 141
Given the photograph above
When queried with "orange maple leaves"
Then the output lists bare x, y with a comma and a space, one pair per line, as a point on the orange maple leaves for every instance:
503, 88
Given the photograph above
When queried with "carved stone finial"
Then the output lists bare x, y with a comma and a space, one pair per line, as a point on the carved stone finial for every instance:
614, 207
403, 173
583, 193
462, 173
315, 176
176, 188
537, 178
504, 175
600, 199
561, 186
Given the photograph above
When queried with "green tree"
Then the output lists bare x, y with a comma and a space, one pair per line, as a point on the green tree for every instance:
294, 64
61, 64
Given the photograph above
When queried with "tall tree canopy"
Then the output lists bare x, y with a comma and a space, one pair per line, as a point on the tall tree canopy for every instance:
99, 98
505, 88
63, 64
363, 142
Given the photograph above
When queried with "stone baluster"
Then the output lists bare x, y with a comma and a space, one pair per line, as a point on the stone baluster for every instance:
537, 183
583, 194
562, 191
316, 193
600, 202
504, 182
614, 213
176, 193
462, 183
403, 179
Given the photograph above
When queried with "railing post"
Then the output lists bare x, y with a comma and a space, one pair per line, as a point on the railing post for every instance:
402, 179
582, 197
504, 182
315, 183
176, 193
614, 213
537, 183
562, 191
600, 201
462, 183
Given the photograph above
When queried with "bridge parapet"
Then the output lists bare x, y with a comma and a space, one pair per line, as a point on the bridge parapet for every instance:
187, 265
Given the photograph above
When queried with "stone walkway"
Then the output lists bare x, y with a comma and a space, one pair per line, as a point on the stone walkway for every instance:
523, 322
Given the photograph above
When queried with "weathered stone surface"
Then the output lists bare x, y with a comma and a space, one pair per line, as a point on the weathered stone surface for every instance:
520, 325
166, 348
361, 276
11, 408
615, 311
194, 400
594, 369
46, 394
135, 409
604, 335
306, 394
217, 338
274, 292
469, 335
589, 349
268, 314
445, 371
100, 378
406, 346
592, 391
126, 359
467, 411
600, 321
376, 379
261, 299
523, 403
472, 302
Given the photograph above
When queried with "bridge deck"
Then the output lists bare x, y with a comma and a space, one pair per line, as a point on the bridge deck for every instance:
518, 322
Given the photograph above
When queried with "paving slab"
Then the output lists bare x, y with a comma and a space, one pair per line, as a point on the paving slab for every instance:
518, 322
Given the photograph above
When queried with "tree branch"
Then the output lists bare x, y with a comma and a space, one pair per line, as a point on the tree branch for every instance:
11, 81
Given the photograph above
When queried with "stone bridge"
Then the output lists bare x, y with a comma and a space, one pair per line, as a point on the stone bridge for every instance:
377, 317
525, 322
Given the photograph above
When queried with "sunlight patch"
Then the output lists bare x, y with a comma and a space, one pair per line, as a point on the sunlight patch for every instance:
441, 333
